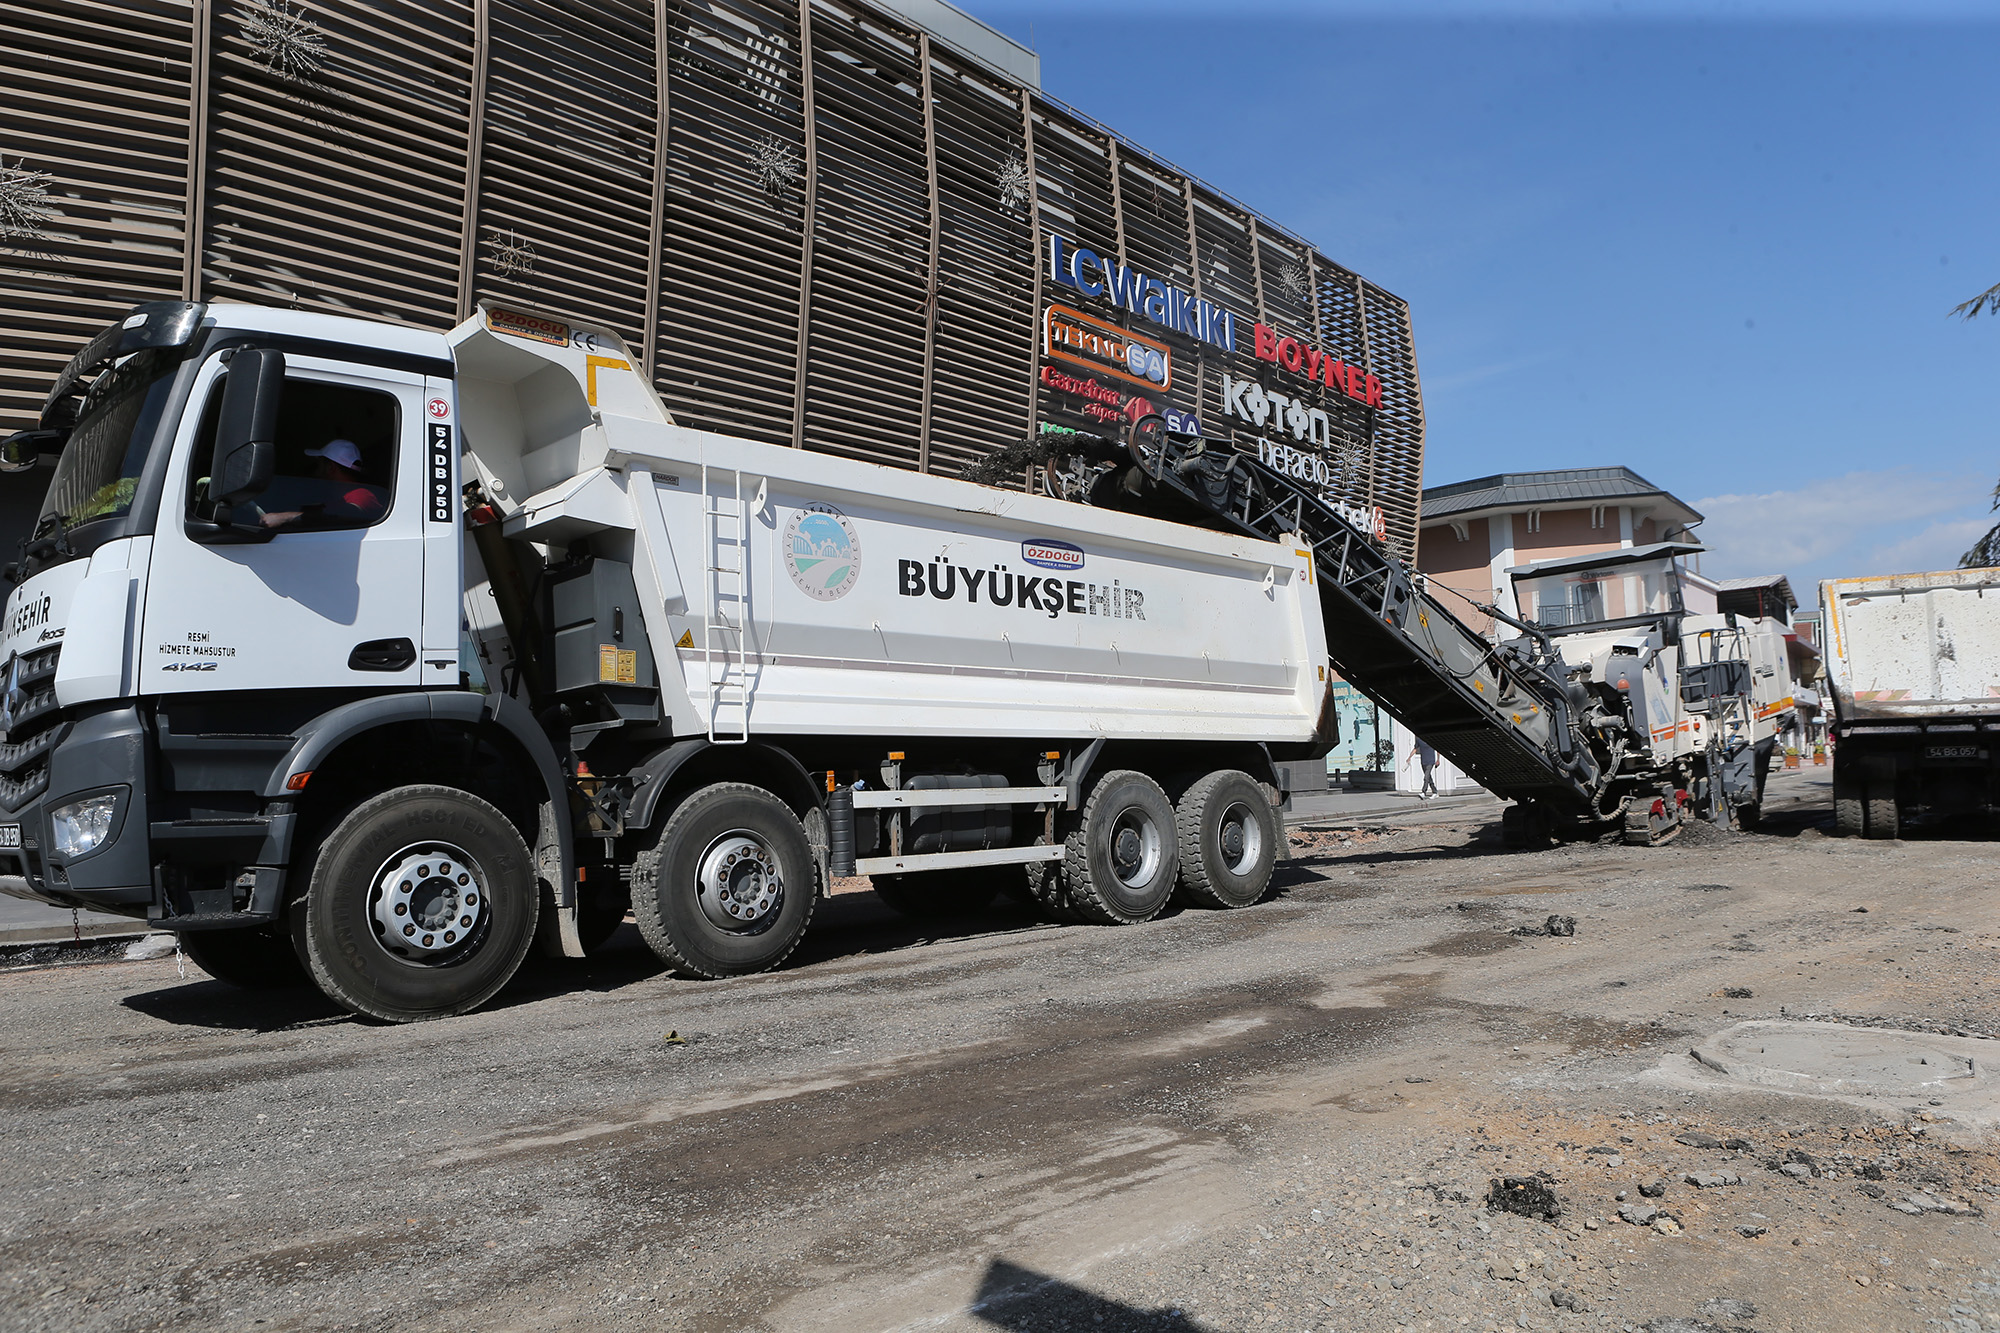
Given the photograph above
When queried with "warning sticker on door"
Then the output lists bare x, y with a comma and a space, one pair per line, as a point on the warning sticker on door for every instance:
617, 666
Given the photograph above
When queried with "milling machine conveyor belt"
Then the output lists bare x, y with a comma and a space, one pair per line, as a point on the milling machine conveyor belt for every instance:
1502, 714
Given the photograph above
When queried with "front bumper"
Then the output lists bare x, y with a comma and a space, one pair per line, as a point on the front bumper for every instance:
96, 751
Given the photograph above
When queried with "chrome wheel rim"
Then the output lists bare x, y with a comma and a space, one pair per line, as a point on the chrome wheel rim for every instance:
1240, 838
1136, 848
428, 904
738, 883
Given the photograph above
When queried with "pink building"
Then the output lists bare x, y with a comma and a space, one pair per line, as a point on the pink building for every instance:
1474, 531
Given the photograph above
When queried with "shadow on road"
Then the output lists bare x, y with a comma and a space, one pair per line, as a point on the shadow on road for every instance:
1020, 1299
212, 1004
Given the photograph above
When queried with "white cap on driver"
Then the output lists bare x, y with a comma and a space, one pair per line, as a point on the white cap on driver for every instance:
344, 452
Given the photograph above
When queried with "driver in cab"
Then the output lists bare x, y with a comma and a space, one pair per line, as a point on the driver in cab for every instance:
337, 490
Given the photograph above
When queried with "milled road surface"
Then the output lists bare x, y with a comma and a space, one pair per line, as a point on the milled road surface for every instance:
1284, 1118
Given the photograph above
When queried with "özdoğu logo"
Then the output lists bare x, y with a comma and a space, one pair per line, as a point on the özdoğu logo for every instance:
1052, 554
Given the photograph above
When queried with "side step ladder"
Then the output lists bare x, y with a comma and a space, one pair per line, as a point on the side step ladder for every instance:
726, 628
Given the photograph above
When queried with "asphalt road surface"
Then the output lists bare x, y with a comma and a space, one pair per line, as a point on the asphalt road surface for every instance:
1287, 1117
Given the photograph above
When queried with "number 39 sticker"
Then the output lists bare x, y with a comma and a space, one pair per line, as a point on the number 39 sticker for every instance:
439, 409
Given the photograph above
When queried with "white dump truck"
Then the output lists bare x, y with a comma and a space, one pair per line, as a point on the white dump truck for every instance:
382, 653
1913, 663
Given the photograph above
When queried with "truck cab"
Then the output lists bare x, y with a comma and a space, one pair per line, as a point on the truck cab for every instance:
238, 608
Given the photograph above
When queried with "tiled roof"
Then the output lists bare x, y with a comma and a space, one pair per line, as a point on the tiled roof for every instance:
1535, 490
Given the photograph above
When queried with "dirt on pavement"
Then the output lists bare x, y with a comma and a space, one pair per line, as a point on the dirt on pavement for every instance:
1289, 1117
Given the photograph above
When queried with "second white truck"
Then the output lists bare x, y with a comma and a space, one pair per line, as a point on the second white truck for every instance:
1913, 664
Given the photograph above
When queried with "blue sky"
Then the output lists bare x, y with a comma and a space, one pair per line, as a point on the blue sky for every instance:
1715, 243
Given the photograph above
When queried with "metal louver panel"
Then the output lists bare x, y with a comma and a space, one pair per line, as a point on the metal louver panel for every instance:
566, 161
986, 269
735, 213
817, 226
341, 188
94, 141
870, 292
1399, 431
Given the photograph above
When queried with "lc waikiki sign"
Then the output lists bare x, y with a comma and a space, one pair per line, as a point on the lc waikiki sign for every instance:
1093, 275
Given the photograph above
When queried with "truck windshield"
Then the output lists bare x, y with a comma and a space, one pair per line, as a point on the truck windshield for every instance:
1578, 597
115, 428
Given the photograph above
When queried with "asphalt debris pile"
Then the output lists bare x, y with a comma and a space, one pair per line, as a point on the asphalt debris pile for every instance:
1525, 1196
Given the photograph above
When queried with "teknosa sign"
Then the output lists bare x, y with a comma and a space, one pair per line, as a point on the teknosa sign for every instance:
1295, 356
1075, 336
1092, 274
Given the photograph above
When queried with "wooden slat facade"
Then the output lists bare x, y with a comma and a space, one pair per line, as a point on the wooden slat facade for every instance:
815, 225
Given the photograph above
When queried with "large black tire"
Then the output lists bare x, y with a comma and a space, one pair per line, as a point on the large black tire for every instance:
255, 958
1228, 832
939, 895
421, 904
1121, 863
1850, 803
1048, 888
1882, 815
729, 887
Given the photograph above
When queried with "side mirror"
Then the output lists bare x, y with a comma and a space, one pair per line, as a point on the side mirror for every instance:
23, 449
246, 431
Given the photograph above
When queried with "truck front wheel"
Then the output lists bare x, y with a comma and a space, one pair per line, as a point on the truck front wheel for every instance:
1228, 840
421, 904
254, 958
1121, 862
728, 888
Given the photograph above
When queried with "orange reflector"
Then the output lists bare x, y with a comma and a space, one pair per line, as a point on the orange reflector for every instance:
298, 781
829, 780
1052, 754
896, 755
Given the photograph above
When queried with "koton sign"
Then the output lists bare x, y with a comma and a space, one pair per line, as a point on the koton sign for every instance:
1323, 367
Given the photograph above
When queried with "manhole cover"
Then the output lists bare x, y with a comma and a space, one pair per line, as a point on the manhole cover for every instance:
1833, 1058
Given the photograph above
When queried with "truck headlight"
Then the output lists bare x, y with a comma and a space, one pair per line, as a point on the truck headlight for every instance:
81, 826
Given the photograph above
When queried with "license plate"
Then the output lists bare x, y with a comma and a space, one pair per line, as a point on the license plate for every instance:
1930, 752
10, 835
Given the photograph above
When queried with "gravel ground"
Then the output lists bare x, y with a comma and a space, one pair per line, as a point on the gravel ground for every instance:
1289, 1117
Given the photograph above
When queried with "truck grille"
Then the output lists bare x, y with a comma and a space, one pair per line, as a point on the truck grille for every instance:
24, 753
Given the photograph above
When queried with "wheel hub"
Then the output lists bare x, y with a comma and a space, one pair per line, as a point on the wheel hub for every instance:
1241, 839
1135, 848
738, 883
429, 903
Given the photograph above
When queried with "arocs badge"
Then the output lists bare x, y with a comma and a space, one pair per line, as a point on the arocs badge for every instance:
822, 552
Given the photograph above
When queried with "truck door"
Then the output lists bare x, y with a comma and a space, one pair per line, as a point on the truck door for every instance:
335, 597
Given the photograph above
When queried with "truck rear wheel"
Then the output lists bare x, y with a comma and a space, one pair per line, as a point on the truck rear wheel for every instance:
936, 895
1121, 862
1849, 804
1228, 835
254, 958
1882, 814
421, 904
728, 888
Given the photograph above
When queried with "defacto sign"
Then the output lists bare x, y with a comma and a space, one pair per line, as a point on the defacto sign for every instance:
1088, 341
1298, 358
1314, 471
1090, 273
